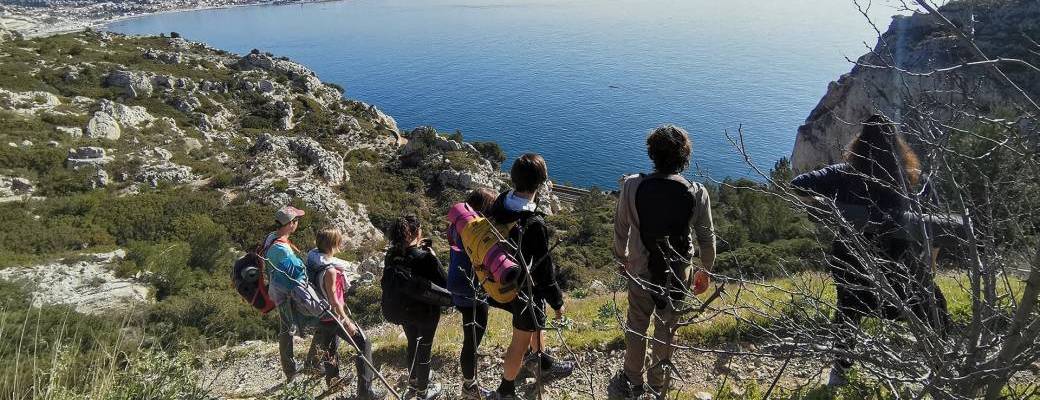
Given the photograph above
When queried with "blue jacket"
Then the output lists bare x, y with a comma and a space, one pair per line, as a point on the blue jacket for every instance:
461, 280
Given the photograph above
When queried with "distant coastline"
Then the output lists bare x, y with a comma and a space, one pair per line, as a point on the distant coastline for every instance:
77, 15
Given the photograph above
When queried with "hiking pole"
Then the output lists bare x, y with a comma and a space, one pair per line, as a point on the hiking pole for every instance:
326, 309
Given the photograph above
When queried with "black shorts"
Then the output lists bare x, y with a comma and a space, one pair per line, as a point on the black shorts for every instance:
528, 316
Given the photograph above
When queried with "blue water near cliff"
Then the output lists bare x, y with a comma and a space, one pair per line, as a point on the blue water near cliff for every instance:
581, 82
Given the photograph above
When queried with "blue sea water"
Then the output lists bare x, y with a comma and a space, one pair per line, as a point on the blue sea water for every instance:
581, 82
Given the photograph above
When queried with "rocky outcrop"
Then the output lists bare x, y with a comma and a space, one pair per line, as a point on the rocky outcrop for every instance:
88, 285
86, 156
379, 119
919, 44
256, 60
103, 126
447, 162
161, 170
286, 168
15, 186
135, 116
28, 102
329, 165
134, 84
164, 57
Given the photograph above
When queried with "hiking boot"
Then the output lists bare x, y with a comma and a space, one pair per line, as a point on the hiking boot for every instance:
431, 392
837, 376
620, 388
475, 392
557, 370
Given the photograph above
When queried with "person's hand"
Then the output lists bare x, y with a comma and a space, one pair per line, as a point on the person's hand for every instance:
349, 326
559, 313
701, 280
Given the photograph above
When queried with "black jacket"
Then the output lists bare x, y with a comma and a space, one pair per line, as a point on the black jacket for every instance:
533, 236
413, 286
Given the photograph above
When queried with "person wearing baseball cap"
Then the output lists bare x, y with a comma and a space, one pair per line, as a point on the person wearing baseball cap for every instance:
285, 271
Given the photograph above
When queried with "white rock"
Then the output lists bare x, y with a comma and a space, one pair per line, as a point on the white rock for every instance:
70, 131
103, 126
191, 144
126, 115
163, 153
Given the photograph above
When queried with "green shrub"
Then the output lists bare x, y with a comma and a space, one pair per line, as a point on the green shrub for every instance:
364, 304
772, 260
156, 375
208, 316
166, 265
208, 241
491, 151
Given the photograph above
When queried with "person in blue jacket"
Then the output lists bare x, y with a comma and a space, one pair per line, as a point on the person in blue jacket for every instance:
462, 283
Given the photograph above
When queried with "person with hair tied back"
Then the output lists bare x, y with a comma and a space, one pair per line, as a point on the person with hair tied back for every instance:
414, 294
880, 173
656, 216
463, 284
330, 276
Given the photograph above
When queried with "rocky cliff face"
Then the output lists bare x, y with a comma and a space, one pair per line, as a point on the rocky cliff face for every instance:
919, 44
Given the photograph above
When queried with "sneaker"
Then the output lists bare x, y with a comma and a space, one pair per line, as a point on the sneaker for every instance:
837, 376
431, 392
530, 364
558, 370
620, 388
475, 392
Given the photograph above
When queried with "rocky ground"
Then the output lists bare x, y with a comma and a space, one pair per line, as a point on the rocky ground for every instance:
86, 282
251, 370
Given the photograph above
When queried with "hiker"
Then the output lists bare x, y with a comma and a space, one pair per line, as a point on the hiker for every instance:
656, 214
517, 207
332, 278
288, 288
414, 294
462, 283
879, 172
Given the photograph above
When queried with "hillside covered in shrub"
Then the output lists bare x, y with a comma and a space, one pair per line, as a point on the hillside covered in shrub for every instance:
179, 154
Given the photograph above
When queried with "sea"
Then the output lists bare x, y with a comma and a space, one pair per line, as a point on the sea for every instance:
581, 82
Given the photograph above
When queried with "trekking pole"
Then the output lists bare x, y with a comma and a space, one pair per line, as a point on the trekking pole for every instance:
326, 309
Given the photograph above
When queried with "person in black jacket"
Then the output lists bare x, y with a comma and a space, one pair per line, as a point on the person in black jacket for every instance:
879, 174
414, 294
528, 174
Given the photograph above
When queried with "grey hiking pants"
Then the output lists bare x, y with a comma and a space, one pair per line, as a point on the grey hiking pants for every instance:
641, 310
287, 328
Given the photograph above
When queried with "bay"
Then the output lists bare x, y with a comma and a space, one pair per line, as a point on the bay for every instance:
581, 82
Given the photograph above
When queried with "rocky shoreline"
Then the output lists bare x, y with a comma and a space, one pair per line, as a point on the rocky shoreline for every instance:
37, 18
